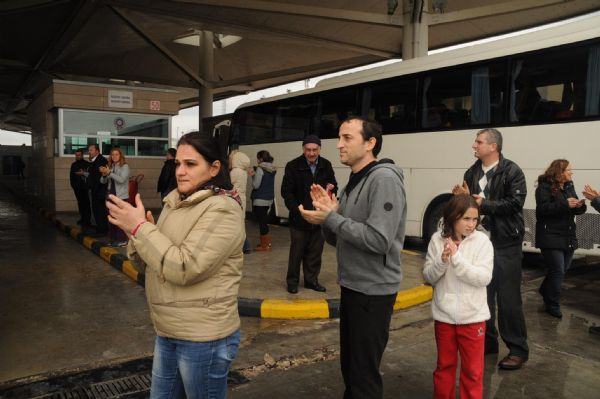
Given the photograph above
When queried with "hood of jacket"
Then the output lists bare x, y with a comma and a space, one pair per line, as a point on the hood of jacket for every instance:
267, 167
239, 160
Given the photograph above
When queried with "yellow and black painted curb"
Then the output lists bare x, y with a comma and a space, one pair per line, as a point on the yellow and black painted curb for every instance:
320, 308
263, 308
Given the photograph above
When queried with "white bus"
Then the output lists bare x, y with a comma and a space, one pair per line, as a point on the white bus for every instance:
540, 89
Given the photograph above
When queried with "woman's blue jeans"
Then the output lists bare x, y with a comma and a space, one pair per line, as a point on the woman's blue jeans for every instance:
557, 264
196, 370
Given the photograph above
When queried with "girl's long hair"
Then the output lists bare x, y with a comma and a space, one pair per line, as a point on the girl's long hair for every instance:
454, 210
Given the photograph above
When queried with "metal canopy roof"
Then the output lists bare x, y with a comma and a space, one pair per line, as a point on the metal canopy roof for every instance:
281, 40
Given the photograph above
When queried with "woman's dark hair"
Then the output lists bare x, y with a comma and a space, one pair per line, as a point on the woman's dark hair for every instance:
455, 209
370, 128
208, 147
264, 156
554, 174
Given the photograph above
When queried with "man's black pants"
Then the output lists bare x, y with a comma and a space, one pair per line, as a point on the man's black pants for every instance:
505, 290
83, 204
364, 332
306, 247
99, 210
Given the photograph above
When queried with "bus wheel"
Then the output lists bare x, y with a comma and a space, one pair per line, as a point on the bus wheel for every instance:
433, 222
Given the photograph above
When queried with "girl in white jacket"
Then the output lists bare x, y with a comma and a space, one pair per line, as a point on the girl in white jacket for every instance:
459, 266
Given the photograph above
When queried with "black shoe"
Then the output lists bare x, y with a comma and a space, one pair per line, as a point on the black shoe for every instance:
554, 312
292, 289
315, 286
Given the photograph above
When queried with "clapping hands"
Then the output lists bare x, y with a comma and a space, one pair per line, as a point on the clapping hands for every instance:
450, 249
323, 203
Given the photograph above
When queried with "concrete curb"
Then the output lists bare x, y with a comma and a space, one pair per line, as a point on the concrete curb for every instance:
263, 308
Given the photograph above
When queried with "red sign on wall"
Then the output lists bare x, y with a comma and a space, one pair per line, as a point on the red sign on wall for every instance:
155, 105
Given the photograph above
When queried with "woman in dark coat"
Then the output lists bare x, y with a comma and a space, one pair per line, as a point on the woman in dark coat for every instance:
555, 232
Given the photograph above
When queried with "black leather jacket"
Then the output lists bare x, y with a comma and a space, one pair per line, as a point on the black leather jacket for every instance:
503, 209
555, 226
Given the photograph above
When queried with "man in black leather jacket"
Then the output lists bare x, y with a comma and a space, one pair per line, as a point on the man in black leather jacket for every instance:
498, 185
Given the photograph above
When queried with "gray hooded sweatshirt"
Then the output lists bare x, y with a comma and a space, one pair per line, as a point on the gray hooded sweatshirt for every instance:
368, 232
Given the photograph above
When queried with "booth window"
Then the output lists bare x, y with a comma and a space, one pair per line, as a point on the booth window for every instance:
136, 134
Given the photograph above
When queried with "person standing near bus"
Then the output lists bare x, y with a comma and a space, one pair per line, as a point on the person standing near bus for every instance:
367, 228
239, 164
459, 266
263, 194
306, 240
498, 185
555, 230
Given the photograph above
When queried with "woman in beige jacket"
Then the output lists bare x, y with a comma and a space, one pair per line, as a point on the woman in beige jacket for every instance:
193, 259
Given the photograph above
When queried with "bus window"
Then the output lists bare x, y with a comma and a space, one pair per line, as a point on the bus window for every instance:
392, 102
293, 118
334, 107
255, 124
553, 86
469, 96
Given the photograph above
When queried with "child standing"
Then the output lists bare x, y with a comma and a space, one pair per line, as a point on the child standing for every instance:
459, 266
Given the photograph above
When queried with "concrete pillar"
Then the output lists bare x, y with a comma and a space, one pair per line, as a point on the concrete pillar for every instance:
415, 34
206, 72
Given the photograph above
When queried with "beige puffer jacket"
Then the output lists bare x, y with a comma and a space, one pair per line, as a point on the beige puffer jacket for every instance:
239, 164
193, 259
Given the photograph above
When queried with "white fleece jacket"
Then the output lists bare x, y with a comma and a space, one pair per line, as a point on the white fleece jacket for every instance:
459, 285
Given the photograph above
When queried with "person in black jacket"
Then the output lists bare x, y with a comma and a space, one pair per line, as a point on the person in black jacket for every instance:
306, 240
80, 189
498, 185
555, 233
97, 189
167, 181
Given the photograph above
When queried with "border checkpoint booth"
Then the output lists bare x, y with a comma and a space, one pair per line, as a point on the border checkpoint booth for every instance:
68, 116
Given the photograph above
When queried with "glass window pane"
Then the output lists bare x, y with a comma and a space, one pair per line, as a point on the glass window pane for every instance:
335, 107
293, 118
464, 97
254, 125
153, 148
114, 124
126, 145
552, 85
73, 144
392, 103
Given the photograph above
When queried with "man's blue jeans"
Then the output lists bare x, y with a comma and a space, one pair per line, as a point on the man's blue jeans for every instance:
196, 370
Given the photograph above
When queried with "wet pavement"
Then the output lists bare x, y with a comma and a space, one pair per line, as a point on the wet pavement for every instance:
63, 308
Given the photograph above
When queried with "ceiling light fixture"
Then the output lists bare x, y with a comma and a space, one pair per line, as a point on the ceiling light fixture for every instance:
192, 38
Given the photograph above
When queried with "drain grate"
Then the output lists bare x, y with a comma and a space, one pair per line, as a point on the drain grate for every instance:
131, 379
128, 387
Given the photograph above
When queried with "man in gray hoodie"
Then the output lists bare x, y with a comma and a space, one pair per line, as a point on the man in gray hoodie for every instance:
367, 227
